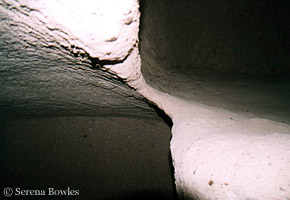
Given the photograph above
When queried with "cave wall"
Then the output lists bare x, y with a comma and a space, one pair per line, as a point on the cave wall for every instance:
231, 55
101, 157
42, 69
46, 71
53, 58
228, 36
224, 71
55, 69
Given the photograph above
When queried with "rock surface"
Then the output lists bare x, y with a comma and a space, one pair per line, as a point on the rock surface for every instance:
219, 149
226, 141
46, 70
98, 156
226, 54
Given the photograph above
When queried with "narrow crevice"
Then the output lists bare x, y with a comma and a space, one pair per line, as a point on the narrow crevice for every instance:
97, 63
162, 115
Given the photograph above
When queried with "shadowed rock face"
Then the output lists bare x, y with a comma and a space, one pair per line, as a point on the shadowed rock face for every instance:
230, 55
180, 43
120, 152
245, 36
101, 157
223, 54
227, 65
43, 75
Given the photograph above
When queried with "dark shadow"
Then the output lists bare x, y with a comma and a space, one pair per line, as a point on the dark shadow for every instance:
162, 114
143, 14
146, 195
174, 195
98, 64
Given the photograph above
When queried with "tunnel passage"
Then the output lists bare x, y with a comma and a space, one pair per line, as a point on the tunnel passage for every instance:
218, 53
231, 55
67, 123
224, 71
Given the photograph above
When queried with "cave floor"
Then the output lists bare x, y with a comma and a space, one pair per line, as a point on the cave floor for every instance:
101, 157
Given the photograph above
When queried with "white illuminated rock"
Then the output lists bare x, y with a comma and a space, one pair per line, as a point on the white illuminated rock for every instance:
221, 155
216, 154
105, 29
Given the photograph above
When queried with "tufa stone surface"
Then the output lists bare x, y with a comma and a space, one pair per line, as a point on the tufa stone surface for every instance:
47, 65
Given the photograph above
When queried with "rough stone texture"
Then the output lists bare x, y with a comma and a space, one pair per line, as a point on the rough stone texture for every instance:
223, 54
43, 72
55, 58
223, 155
98, 156
245, 36
228, 150
218, 153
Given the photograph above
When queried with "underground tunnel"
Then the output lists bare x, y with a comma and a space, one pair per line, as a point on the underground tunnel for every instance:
149, 99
